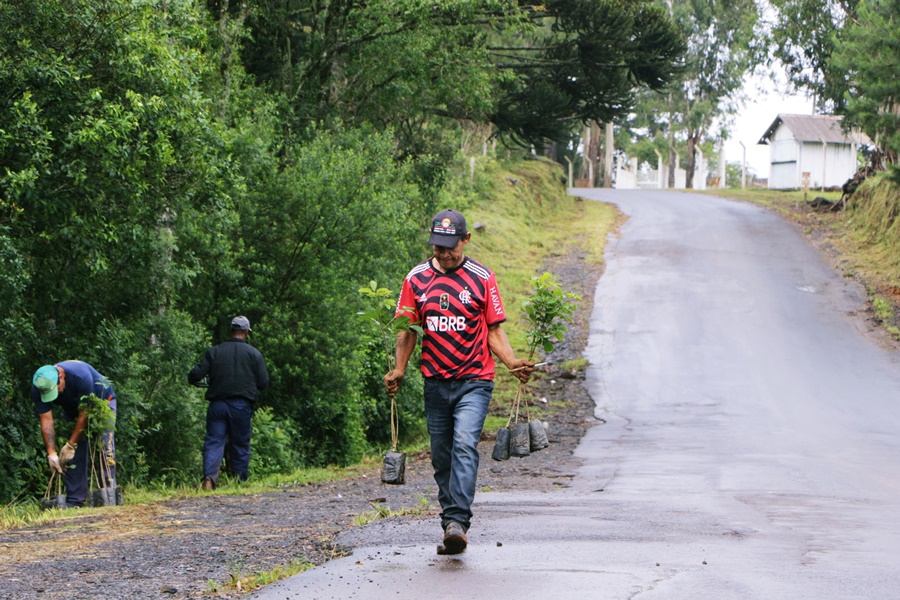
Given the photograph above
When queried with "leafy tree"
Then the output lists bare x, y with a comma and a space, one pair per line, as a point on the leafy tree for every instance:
805, 35
722, 48
869, 51
374, 61
101, 128
105, 136
583, 64
310, 233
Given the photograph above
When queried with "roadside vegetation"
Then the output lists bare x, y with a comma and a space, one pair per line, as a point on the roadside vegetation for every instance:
525, 218
166, 165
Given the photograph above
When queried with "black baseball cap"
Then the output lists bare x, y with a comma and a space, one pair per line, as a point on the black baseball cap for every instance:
447, 228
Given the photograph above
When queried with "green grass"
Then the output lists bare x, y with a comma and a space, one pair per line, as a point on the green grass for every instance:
244, 583
887, 313
232, 487
494, 422
576, 364
381, 511
22, 514
875, 221
788, 203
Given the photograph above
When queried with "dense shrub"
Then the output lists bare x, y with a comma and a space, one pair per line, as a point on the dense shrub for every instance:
271, 445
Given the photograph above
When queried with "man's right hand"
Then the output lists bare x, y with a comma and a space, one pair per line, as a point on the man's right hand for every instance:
392, 381
53, 459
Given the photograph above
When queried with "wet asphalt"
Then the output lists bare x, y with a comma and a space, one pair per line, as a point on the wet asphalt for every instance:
751, 447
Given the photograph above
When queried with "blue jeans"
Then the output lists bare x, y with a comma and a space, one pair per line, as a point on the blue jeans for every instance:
227, 420
455, 410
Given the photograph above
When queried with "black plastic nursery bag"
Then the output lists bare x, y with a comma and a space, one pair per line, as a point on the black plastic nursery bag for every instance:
393, 470
520, 443
539, 439
501, 446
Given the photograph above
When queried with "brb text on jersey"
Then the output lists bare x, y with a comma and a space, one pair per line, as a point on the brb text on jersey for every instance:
455, 309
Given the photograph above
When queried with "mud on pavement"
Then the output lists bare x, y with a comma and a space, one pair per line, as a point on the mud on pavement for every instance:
195, 547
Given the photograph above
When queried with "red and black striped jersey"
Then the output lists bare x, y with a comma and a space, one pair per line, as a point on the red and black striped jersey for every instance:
455, 310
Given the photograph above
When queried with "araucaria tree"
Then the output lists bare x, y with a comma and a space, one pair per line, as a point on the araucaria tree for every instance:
533, 70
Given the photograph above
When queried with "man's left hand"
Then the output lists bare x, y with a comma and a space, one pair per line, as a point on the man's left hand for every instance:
392, 381
522, 369
66, 454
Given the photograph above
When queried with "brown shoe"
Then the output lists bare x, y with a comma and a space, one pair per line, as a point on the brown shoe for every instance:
455, 541
208, 484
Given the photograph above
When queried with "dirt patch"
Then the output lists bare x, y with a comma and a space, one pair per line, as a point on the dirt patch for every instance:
187, 548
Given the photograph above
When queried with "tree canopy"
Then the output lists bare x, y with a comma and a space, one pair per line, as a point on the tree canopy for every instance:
805, 34
531, 70
869, 54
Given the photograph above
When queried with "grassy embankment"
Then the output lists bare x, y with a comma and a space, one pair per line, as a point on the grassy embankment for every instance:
864, 238
528, 218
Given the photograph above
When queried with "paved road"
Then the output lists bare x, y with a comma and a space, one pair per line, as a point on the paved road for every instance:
750, 451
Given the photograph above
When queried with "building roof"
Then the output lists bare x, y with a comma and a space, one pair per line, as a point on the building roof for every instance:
814, 128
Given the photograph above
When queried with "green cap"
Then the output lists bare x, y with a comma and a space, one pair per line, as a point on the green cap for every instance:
46, 380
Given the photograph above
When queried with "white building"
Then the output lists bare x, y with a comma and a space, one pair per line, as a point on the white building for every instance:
810, 150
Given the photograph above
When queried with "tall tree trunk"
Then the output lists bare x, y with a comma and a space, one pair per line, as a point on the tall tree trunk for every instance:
690, 162
673, 163
609, 149
595, 151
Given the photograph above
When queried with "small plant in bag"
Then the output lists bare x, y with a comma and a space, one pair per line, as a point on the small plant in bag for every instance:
546, 312
54, 497
382, 318
101, 419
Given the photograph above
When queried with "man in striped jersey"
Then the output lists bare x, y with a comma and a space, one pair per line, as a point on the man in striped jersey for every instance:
457, 302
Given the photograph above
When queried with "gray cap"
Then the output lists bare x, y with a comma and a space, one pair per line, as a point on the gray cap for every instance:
241, 323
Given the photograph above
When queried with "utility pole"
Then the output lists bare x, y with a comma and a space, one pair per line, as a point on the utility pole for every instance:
743, 166
721, 168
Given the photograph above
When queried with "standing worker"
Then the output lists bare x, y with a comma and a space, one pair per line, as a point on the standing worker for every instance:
69, 385
458, 304
236, 372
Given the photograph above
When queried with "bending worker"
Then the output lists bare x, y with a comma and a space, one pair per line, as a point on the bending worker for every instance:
69, 385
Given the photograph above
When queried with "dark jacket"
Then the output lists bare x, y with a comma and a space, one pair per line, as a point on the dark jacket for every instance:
236, 370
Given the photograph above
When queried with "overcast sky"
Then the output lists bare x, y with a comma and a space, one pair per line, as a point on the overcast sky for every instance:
756, 116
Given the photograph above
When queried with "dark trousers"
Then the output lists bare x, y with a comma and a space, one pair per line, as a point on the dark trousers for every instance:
227, 421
